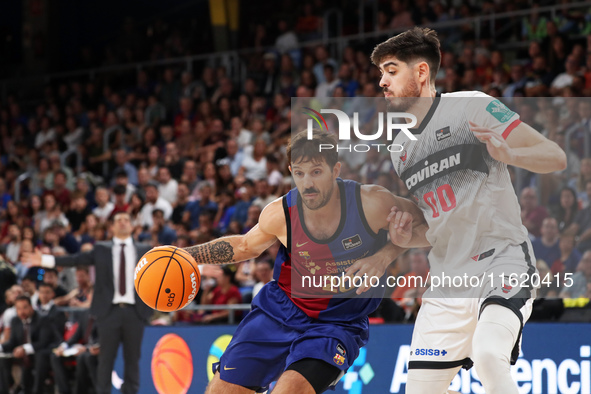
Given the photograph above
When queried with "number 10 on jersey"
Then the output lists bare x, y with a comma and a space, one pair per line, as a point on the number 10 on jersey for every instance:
443, 198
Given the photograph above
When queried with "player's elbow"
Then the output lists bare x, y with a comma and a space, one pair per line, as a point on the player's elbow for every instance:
561, 162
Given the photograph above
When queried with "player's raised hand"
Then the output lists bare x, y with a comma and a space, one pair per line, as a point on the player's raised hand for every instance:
32, 259
495, 144
369, 267
400, 227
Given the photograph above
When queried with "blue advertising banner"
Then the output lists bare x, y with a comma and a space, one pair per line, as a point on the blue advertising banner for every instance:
556, 358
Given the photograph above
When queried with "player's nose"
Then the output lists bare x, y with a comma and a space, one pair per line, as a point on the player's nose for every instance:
384, 81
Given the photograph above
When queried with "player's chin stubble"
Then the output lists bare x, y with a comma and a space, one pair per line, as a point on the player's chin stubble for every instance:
409, 96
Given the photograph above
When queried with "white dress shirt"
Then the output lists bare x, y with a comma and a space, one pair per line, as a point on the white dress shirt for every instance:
130, 261
48, 261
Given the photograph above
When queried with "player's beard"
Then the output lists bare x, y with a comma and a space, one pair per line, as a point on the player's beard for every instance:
410, 95
321, 200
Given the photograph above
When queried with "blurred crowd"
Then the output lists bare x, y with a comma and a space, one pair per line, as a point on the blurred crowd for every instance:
195, 155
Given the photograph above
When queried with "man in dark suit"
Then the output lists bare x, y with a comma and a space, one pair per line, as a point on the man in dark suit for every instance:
121, 315
83, 345
48, 309
29, 344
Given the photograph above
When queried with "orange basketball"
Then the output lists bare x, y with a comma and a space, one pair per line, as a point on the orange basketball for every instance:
167, 278
172, 365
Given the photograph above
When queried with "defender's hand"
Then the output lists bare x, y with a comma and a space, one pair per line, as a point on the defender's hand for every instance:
495, 144
400, 227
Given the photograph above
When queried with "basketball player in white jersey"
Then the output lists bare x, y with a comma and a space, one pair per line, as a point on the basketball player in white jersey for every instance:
456, 171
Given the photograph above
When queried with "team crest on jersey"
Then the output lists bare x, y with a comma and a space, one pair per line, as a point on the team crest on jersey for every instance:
338, 359
443, 133
499, 111
304, 254
352, 242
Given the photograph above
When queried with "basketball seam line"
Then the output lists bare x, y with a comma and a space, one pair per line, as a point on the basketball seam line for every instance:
139, 281
163, 276
183, 276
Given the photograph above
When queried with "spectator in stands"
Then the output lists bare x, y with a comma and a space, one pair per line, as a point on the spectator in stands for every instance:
120, 205
224, 293
173, 160
168, 186
14, 245
402, 17
532, 214
254, 165
252, 219
546, 246
246, 195
83, 344
153, 201
122, 163
10, 296
194, 208
51, 278
263, 273
47, 308
579, 279
235, 155
81, 296
263, 193
225, 212
104, 206
567, 209
286, 40
518, 81
566, 78
78, 211
29, 341
61, 193
581, 228
180, 205
52, 213
569, 255
326, 88
160, 233
322, 59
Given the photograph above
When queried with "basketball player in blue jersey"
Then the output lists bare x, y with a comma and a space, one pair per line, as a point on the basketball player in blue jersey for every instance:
457, 172
306, 338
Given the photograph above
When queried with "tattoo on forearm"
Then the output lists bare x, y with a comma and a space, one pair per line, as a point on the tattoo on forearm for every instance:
216, 252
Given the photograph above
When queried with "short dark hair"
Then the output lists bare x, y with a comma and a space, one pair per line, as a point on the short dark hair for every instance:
119, 190
23, 297
300, 148
415, 44
43, 284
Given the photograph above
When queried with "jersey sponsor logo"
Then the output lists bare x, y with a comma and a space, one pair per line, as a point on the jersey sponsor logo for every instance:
338, 359
484, 255
341, 349
299, 245
499, 111
443, 133
227, 369
403, 157
446, 161
352, 242
429, 352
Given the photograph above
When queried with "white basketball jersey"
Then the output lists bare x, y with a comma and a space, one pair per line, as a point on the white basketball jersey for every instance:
466, 195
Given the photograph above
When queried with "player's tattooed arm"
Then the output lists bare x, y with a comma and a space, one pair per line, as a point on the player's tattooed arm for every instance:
237, 248
215, 252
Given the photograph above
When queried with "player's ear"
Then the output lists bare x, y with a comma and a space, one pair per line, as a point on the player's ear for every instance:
337, 169
289, 168
422, 69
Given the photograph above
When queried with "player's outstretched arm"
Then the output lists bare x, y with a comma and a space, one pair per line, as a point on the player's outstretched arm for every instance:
524, 147
237, 248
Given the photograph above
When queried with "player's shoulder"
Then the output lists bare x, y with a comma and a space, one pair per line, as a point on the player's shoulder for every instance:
466, 94
272, 219
376, 198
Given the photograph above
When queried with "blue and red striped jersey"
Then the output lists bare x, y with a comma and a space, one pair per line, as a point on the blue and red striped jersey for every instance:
304, 268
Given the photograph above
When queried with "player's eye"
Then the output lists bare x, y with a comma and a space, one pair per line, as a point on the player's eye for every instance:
391, 72
317, 172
